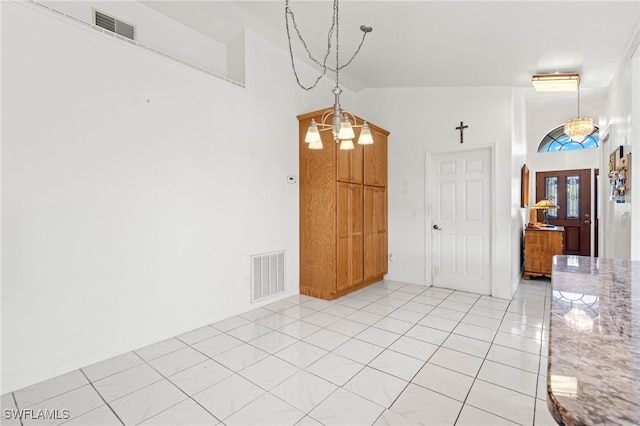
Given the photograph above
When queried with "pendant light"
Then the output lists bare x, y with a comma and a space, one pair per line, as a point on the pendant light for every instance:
578, 128
337, 120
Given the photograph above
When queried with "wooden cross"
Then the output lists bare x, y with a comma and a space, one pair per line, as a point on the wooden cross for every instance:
461, 127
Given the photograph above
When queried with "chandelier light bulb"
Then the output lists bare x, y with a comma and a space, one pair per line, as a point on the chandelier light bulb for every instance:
346, 144
313, 135
346, 131
365, 137
315, 145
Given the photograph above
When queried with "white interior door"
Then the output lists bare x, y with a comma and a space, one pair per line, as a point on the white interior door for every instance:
461, 220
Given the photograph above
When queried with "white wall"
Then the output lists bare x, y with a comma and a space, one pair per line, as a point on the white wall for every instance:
423, 120
519, 215
155, 30
621, 222
543, 116
134, 190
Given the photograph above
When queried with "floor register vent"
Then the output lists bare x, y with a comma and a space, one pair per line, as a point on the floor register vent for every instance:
267, 275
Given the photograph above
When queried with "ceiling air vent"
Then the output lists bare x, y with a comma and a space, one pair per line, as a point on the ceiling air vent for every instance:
114, 25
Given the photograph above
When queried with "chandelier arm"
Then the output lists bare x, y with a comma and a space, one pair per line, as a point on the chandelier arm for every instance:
353, 117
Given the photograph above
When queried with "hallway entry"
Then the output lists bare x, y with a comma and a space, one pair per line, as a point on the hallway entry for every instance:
461, 199
571, 191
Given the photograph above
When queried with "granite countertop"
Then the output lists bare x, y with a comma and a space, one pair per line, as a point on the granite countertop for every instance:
594, 342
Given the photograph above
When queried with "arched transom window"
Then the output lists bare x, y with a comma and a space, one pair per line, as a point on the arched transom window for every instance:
557, 140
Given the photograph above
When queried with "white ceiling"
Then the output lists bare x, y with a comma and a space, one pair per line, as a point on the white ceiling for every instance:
439, 43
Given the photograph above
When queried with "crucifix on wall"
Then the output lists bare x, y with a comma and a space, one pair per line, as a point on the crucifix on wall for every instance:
461, 127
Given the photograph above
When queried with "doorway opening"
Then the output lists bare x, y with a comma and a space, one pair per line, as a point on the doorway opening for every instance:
570, 190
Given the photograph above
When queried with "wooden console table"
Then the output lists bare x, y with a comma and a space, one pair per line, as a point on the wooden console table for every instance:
540, 245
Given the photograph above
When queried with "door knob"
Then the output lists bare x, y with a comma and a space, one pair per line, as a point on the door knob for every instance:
587, 222
437, 228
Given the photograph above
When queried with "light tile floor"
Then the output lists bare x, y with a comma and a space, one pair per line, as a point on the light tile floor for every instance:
389, 354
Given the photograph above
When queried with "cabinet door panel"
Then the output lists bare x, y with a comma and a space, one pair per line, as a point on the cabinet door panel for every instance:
540, 247
349, 235
375, 232
370, 232
381, 231
356, 234
375, 160
349, 164
536, 250
342, 236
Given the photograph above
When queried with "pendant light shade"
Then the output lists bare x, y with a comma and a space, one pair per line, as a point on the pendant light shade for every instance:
346, 144
315, 145
578, 128
346, 131
365, 137
313, 135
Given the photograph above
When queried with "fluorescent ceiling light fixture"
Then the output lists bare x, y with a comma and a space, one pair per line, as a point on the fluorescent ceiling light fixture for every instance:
567, 82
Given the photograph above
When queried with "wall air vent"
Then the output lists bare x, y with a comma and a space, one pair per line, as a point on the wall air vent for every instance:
267, 275
114, 25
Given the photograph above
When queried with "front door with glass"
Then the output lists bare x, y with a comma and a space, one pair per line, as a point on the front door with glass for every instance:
570, 190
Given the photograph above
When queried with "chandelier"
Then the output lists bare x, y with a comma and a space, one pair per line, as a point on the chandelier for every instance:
336, 119
578, 128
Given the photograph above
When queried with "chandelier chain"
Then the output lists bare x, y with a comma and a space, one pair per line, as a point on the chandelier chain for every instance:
336, 13
289, 15
578, 101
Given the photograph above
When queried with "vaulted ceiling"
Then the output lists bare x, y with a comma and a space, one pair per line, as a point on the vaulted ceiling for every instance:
439, 43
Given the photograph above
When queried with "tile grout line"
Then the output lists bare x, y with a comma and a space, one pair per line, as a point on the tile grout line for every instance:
178, 387
368, 364
475, 378
101, 397
15, 403
485, 359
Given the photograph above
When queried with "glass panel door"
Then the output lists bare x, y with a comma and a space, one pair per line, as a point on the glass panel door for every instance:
570, 190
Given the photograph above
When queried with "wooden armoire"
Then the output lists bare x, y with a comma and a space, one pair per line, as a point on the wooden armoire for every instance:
343, 212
